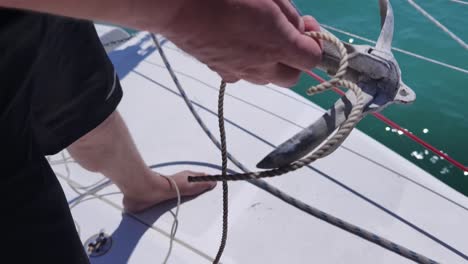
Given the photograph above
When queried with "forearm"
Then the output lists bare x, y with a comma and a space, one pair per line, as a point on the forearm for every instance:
152, 15
260, 41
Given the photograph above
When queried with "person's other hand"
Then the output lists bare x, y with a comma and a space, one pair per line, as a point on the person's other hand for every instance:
260, 41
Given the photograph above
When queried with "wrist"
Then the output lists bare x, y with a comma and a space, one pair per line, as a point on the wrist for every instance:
154, 15
151, 15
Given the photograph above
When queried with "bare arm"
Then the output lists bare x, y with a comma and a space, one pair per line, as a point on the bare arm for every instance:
260, 41
132, 13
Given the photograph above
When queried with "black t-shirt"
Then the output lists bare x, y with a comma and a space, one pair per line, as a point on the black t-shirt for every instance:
36, 223
20, 38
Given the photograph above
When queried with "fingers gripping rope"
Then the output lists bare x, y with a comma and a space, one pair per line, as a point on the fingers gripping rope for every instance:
331, 144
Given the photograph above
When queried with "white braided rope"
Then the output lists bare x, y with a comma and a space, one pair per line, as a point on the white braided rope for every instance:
329, 145
175, 222
356, 112
342, 67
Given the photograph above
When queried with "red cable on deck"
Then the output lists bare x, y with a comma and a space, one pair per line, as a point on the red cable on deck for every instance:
396, 126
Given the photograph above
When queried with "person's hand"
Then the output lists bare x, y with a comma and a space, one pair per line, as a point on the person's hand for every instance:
260, 41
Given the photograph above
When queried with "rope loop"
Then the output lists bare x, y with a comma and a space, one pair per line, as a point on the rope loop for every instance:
329, 145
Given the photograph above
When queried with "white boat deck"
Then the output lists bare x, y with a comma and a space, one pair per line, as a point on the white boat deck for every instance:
363, 182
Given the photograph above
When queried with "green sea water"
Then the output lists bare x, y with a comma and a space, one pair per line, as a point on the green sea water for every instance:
440, 113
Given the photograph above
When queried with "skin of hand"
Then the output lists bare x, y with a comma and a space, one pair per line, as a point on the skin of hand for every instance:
260, 41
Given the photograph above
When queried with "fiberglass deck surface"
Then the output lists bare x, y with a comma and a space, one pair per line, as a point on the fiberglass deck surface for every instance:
362, 182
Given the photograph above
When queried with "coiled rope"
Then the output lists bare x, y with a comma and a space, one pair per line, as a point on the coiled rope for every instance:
367, 235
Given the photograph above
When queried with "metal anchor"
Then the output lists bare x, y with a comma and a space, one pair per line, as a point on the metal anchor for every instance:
374, 69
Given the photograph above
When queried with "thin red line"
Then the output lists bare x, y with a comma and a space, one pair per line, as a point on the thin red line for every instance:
396, 126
